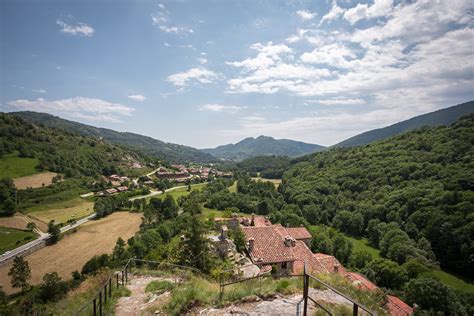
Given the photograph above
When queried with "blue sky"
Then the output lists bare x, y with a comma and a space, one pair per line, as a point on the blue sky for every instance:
206, 73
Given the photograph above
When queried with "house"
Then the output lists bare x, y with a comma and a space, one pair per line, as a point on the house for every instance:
287, 250
122, 188
110, 191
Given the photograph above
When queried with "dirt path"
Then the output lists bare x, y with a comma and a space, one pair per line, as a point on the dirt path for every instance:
138, 302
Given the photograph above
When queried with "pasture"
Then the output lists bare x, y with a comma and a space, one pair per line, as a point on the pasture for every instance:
19, 221
74, 250
35, 181
63, 211
12, 166
10, 238
276, 182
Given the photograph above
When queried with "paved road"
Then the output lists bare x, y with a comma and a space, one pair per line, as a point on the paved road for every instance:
153, 193
17, 251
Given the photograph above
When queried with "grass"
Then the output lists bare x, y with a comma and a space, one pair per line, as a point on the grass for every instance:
62, 212
233, 187
276, 182
454, 281
159, 286
177, 193
11, 238
362, 244
12, 166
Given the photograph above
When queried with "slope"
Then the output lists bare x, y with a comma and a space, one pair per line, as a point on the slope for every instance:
262, 145
441, 117
149, 146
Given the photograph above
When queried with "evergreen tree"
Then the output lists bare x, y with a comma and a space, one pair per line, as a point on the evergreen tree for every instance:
20, 273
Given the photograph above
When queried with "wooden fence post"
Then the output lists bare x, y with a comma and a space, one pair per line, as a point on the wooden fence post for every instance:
117, 280
126, 275
122, 277
110, 287
105, 293
355, 310
100, 303
305, 291
94, 307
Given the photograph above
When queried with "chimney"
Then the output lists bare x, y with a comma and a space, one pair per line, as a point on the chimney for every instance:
224, 232
252, 222
336, 268
288, 241
293, 242
251, 242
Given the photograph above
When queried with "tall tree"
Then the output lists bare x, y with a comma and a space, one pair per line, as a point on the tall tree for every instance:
20, 273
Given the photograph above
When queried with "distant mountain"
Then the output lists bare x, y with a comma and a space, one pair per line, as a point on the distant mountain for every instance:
441, 117
147, 145
262, 146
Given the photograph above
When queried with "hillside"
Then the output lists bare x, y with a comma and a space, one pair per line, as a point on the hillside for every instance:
147, 145
59, 151
421, 182
262, 146
441, 117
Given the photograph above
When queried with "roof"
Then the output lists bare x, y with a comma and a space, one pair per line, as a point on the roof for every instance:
397, 307
360, 281
330, 263
304, 254
298, 232
269, 247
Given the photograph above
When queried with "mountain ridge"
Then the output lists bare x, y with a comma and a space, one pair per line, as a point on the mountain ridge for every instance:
148, 145
262, 146
444, 116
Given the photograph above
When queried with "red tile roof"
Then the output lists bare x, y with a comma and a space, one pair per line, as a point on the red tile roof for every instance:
304, 254
299, 233
397, 307
360, 281
269, 247
330, 263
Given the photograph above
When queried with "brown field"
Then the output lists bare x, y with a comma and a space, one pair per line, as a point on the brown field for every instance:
276, 182
74, 250
19, 221
34, 181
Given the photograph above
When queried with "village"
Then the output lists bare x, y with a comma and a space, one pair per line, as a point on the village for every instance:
174, 174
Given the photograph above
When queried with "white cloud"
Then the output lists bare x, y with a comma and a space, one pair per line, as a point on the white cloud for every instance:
306, 15
201, 75
166, 44
79, 107
202, 60
161, 19
81, 29
39, 90
364, 11
336, 55
137, 97
214, 107
334, 13
161, 5
268, 55
338, 101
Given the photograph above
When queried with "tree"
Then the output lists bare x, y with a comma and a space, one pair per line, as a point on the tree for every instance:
119, 249
385, 273
55, 231
52, 288
169, 208
239, 240
31, 226
7, 197
360, 259
433, 296
20, 273
322, 243
194, 249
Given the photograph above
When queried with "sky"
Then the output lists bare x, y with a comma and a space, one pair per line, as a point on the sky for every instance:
206, 73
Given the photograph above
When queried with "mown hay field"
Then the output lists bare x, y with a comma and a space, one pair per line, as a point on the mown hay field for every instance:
74, 250
77, 209
35, 181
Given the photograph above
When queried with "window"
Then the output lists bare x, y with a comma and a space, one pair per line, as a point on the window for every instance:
284, 265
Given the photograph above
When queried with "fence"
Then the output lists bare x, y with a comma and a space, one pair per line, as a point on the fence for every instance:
100, 298
307, 278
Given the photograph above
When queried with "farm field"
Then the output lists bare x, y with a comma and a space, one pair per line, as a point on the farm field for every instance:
182, 191
35, 181
74, 209
93, 238
276, 182
11, 238
12, 166
19, 221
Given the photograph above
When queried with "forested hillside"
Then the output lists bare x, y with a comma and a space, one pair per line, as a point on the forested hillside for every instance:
147, 145
408, 194
262, 145
59, 151
441, 117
